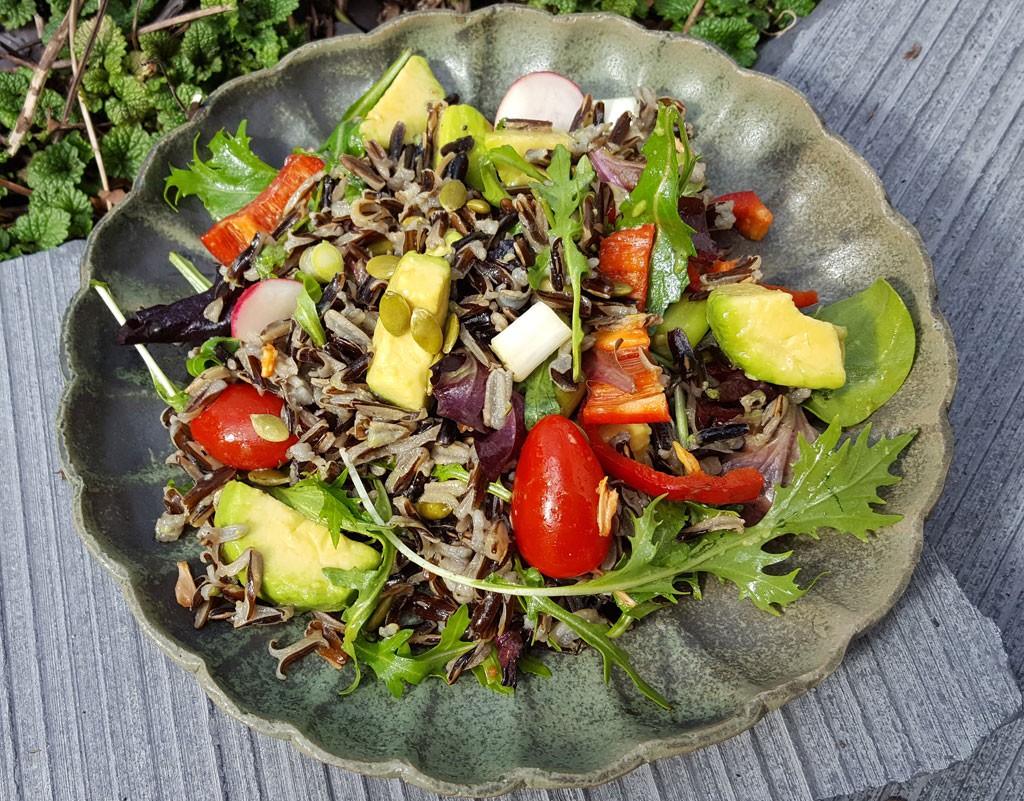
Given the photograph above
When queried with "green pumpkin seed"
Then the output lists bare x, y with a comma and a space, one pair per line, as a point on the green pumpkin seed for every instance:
382, 267
452, 195
268, 478
621, 288
433, 511
451, 333
425, 331
479, 206
269, 427
395, 313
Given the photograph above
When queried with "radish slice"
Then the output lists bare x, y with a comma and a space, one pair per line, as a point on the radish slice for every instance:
541, 96
615, 106
262, 304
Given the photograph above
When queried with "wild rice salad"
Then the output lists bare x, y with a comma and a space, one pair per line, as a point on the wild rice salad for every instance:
463, 390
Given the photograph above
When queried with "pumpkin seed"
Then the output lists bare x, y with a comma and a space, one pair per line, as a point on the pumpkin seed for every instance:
451, 333
479, 206
425, 331
452, 195
269, 427
433, 511
382, 267
395, 313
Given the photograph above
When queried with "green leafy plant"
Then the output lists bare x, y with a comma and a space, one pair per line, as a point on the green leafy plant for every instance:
84, 102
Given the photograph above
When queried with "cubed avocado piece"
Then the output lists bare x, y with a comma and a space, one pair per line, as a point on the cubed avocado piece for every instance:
295, 549
764, 334
522, 141
690, 315
460, 121
407, 99
400, 369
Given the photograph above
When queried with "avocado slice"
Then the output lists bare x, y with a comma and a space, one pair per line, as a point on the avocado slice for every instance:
522, 141
400, 369
295, 549
407, 99
460, 121
690, 315
764, 334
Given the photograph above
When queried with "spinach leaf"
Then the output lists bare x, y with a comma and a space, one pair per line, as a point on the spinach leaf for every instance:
878, 354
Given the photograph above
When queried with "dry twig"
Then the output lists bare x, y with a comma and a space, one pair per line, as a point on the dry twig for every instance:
182, 19
693, 16
35, 87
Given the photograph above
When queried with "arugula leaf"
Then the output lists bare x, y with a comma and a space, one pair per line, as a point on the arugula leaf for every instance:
345, 138
306, 314
206, 356
656, 200
395, 664
329, 505
368, 585
562, 197
232, 177
507, 156
596, 636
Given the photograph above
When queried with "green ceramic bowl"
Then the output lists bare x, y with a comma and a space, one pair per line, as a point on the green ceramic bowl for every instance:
720, 661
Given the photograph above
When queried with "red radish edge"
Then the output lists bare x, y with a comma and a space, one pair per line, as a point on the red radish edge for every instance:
541, 96
262, 304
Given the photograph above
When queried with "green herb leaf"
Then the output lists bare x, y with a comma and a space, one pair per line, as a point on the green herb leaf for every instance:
231, 178
306, 314
540, 399
835, 489
329, 505
395, 664
207, 357
562, 197
368, 585
656, 200
596, 636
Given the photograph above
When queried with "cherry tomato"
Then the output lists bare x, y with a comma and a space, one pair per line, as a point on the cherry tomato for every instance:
226, 430
555, 499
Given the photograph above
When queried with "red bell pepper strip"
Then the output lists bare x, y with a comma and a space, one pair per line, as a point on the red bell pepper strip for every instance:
625, 257
646, 403
801, 297
736, 486
753, 219
232, 235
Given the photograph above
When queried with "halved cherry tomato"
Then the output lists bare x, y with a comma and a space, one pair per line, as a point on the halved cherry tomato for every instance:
555, 500
226, 430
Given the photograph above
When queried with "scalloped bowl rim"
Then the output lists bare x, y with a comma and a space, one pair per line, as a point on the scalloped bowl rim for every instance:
522, 777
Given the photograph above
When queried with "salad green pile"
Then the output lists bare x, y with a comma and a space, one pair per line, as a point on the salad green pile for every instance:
666, 517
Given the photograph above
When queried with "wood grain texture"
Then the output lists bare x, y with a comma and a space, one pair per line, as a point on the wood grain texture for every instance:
89, 709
